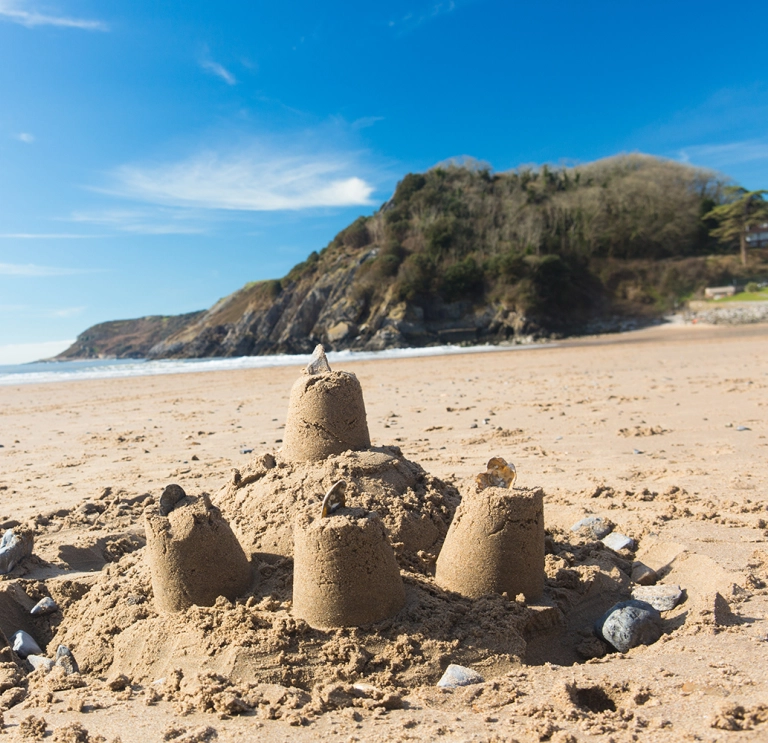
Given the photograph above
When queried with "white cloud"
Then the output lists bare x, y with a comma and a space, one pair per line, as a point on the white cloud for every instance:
23, 353
42, 236
25, 137
142, 221
250, 180
411, 21
19, 11
724, 155
219, 71
66, 312
31, 269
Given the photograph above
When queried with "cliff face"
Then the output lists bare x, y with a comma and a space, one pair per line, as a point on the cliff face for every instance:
125, 339
324, 307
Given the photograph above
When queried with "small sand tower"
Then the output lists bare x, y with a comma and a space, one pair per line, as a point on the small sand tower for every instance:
495, 543
345, 573
326, 413
194, 555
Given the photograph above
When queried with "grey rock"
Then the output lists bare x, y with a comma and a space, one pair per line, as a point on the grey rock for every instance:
743, 428
459, 676
45, 606
245, 450
13, 549
40, 661
24, 644
66, 660
662, 597
629, 624
643, 575
618, 542
595, 527
170, 498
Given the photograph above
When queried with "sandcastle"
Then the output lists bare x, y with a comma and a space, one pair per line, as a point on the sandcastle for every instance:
496, 540
193, 554
326, 413
345, 571
380, 514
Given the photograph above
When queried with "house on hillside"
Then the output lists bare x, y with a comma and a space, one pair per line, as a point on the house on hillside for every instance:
757, 236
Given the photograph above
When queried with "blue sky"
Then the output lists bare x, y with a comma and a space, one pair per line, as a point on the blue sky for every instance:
155, 156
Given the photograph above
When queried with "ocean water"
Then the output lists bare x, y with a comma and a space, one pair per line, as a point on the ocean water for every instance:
67, 371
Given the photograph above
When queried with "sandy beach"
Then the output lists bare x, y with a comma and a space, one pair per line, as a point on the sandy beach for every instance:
663, 431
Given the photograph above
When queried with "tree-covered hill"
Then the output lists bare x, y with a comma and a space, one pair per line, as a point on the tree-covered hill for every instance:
461, 254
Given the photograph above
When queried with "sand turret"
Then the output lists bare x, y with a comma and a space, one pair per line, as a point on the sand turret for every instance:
326, 413
345, 571
193, 554
495, 543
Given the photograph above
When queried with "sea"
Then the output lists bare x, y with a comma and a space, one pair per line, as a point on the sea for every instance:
42, 372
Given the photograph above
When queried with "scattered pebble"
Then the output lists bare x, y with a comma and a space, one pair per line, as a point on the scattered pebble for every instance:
636, 451
66, 660
643, 575
246, 450
743, 428
618, 542
24, 644
596, 527
459, 676
45, 606
13, 549
172, 495
40, 661
662, 597
629, 624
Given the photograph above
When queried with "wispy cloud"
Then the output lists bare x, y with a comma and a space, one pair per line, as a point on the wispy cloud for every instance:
25, 137
725, 155
143, 221
21, 12
66, 312
250, 180
218, 70
44, 236
411, 21
32, 269
364, 122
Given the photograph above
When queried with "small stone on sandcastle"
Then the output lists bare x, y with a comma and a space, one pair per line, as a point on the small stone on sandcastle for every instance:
345, 571
326, 413
194, 555
495, 543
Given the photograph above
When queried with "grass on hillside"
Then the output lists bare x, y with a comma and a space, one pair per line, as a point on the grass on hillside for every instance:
758, 296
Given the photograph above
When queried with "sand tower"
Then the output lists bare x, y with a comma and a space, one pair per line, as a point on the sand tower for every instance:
194, 555
495, 543
326, 413
345, 573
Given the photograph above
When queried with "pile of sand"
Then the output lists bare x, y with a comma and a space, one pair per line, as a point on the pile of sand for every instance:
263, 501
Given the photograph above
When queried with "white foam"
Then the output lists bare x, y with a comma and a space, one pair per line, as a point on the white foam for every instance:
68, 371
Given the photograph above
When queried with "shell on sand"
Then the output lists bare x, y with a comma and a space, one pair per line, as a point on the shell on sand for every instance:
499, 474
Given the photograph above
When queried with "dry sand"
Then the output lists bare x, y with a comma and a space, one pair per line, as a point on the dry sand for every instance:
663, 431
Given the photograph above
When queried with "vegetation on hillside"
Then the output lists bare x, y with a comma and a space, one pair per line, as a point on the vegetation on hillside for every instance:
559, 244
